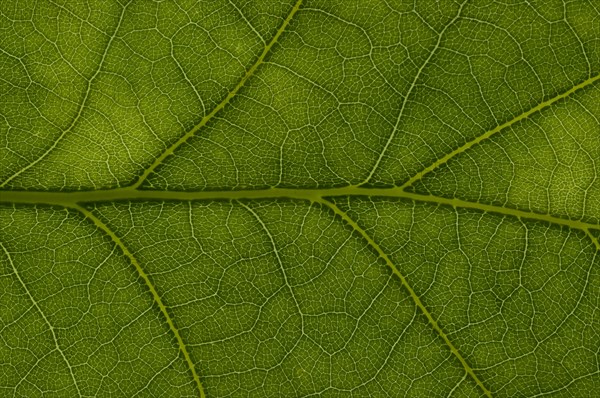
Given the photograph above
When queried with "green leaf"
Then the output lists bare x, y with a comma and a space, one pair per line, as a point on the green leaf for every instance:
278, 198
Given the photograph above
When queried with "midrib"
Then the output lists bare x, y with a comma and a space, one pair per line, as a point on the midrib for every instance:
68, 199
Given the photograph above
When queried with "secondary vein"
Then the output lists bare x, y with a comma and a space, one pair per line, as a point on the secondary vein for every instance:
344, 216
444, 159
37, 307
170, 150
163, 309
64, 133
410, 89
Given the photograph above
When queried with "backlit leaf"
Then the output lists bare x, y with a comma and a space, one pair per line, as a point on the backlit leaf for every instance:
297, 198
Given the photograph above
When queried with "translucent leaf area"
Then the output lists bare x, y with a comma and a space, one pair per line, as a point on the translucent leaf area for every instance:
251, 198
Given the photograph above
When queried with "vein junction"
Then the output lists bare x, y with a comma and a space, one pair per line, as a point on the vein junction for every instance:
69, 199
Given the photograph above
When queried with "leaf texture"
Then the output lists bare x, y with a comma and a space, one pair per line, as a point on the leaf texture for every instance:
299, 198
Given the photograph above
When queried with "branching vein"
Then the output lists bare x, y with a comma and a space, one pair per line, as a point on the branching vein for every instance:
407, 96
69, 199
468, 145
170, 150
163, 309
344, 216
79, 111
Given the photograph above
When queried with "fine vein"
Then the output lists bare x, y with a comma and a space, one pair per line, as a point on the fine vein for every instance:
79, 111
170, 150
279, 261
344, 216
163, 309
37, 307
410, 89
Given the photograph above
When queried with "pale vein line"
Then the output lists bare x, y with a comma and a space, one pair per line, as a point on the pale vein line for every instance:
247, 22
406, 97
444, 159
37, 307
458, 384
285, 278
163, 309
564, 387
279, 261
81, 107
344, 216
183, 139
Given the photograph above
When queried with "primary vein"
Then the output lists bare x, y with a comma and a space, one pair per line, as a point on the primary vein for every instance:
170, 150
69, 199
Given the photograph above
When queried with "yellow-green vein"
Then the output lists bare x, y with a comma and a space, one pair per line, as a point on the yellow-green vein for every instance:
344, 216
279, 261
163, 309
444, 159
592, 237
170, 150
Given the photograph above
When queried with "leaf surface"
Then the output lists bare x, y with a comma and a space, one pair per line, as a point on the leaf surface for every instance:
252, 198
